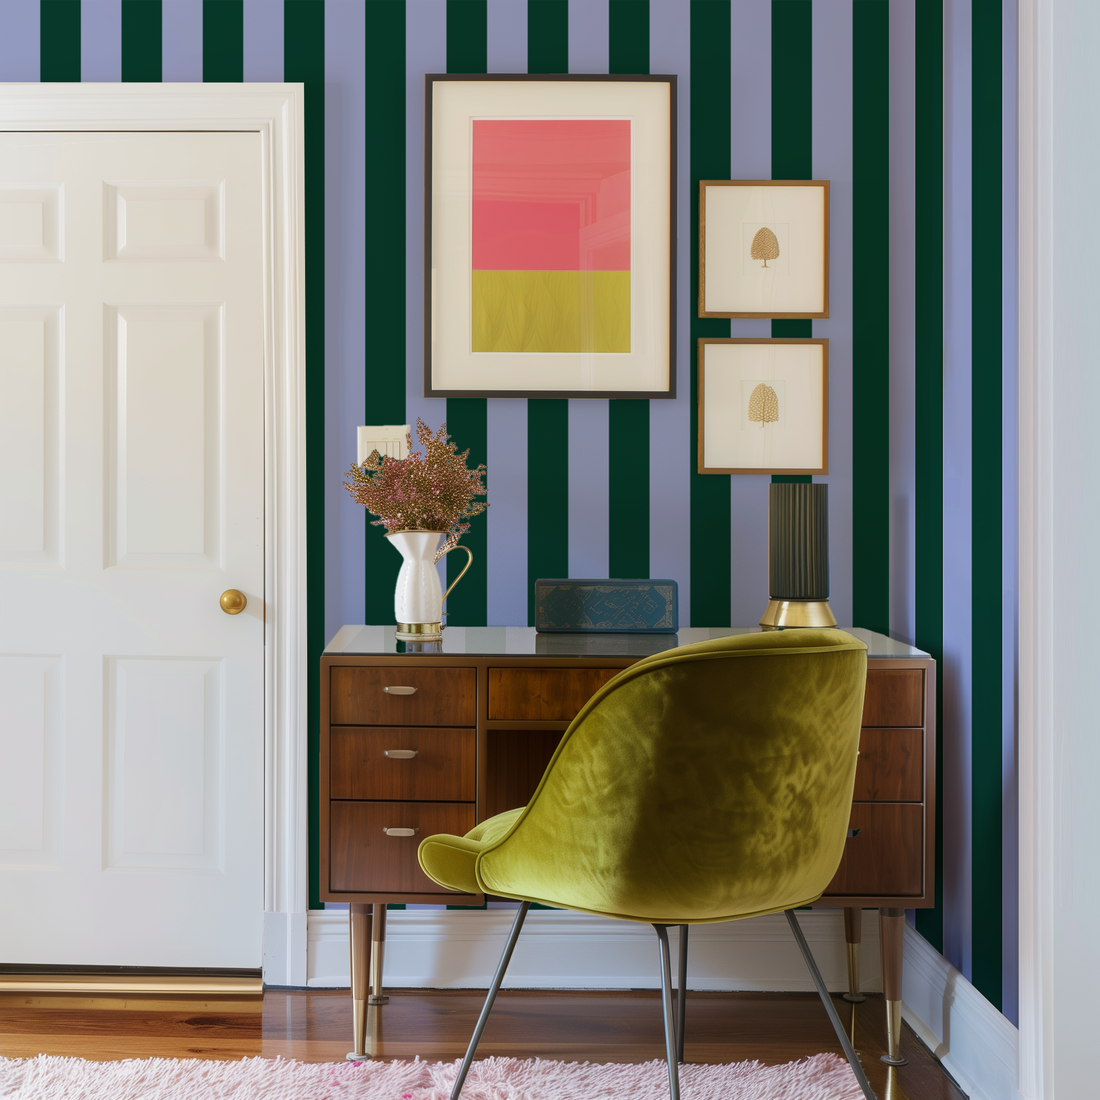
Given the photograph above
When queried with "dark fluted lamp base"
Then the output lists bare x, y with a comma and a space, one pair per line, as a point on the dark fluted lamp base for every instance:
798, 557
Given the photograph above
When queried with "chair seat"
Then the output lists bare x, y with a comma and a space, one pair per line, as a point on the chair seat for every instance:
450, 859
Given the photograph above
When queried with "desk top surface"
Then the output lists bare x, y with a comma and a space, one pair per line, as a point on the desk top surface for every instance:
518, 641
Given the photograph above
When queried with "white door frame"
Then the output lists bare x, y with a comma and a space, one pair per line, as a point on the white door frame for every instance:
275, 112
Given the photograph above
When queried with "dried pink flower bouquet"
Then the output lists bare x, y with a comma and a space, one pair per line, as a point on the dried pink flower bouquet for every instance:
429, 491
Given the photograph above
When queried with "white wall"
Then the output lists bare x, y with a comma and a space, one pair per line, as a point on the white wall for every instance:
1060, 529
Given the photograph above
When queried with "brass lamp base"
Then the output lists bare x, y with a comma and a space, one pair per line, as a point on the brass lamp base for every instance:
783, 614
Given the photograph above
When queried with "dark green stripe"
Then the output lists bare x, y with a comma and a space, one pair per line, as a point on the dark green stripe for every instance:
928, 411
628, 30
548, 36
710, 160
223, 40
304, 61
547, 494
547, 419
792, 129
871, 315
986, 513
792, 90
628, 421
467, 36
59, 40
384, 187
141, 40
467, 417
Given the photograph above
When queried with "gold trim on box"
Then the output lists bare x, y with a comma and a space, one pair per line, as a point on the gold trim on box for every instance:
783, 614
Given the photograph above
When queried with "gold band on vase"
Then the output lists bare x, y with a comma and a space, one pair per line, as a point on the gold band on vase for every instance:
420, 630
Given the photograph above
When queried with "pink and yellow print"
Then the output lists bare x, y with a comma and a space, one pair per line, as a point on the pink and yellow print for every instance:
551, 235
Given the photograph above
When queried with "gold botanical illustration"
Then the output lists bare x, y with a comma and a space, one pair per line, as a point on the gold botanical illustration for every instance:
763, 402
765, 245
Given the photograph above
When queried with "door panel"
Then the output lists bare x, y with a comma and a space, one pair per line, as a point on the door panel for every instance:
131, 370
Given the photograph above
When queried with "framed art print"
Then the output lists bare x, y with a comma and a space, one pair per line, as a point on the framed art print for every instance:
763, 248
549, 253
763, 406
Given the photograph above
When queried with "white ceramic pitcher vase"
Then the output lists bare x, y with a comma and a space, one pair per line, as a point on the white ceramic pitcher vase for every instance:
418, 599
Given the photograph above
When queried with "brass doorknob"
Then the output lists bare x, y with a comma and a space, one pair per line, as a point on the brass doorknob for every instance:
233, 602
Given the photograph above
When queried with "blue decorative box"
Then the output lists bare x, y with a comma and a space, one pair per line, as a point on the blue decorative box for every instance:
607, 606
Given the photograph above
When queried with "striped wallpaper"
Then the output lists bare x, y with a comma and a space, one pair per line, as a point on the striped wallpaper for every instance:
907, 107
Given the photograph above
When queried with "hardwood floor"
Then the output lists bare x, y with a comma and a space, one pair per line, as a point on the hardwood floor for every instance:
436, 1025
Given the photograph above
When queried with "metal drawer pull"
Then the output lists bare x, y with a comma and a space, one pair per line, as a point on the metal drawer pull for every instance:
400, 832
401, 754
399, 690
854, 832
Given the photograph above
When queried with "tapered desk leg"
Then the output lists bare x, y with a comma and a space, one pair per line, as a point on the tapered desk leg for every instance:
377, 956
853, 933
359, 929
892, 933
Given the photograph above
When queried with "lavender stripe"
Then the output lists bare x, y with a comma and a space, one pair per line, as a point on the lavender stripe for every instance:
345, 288
425, 52
669, 421
903, 595
263, 41
181, 41
507, 51
101, 41
750, 158
19, 40
832, 160
589, 32
506, 602
957, 494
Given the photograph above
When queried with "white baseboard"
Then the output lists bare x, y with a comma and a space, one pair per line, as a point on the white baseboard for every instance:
453, 949
975, 1043
285, 951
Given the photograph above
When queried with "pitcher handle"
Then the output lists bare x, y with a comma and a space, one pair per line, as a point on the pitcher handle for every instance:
469, 562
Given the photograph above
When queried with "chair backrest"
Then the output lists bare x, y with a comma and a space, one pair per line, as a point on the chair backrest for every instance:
707, 783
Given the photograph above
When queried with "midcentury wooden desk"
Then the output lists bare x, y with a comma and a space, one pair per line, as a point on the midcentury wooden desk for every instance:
433, 737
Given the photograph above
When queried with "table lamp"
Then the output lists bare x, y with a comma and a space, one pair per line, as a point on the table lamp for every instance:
798, 557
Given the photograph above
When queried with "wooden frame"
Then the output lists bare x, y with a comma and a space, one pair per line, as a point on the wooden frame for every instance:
453, 367
723, 267
823, 466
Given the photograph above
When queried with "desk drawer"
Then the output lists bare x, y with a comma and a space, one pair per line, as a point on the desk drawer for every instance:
894, 697
443, 767
543, 694
886, 858
891, 766
441, 696
364, 858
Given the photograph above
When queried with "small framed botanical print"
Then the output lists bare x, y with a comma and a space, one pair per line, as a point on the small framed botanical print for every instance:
763, 248
763, 406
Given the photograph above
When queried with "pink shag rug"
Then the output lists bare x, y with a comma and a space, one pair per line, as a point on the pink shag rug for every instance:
821, 1077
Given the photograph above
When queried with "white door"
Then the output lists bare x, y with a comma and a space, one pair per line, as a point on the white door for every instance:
131, 498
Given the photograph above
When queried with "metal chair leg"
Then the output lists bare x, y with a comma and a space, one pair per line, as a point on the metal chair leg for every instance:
670, 1012
490, 997
830, 1008
681, 992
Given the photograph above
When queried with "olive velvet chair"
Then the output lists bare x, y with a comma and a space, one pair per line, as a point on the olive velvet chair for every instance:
707, 783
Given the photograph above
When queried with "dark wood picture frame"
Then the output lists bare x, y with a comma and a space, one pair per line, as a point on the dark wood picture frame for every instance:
824, 468
703, 185
430, 389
